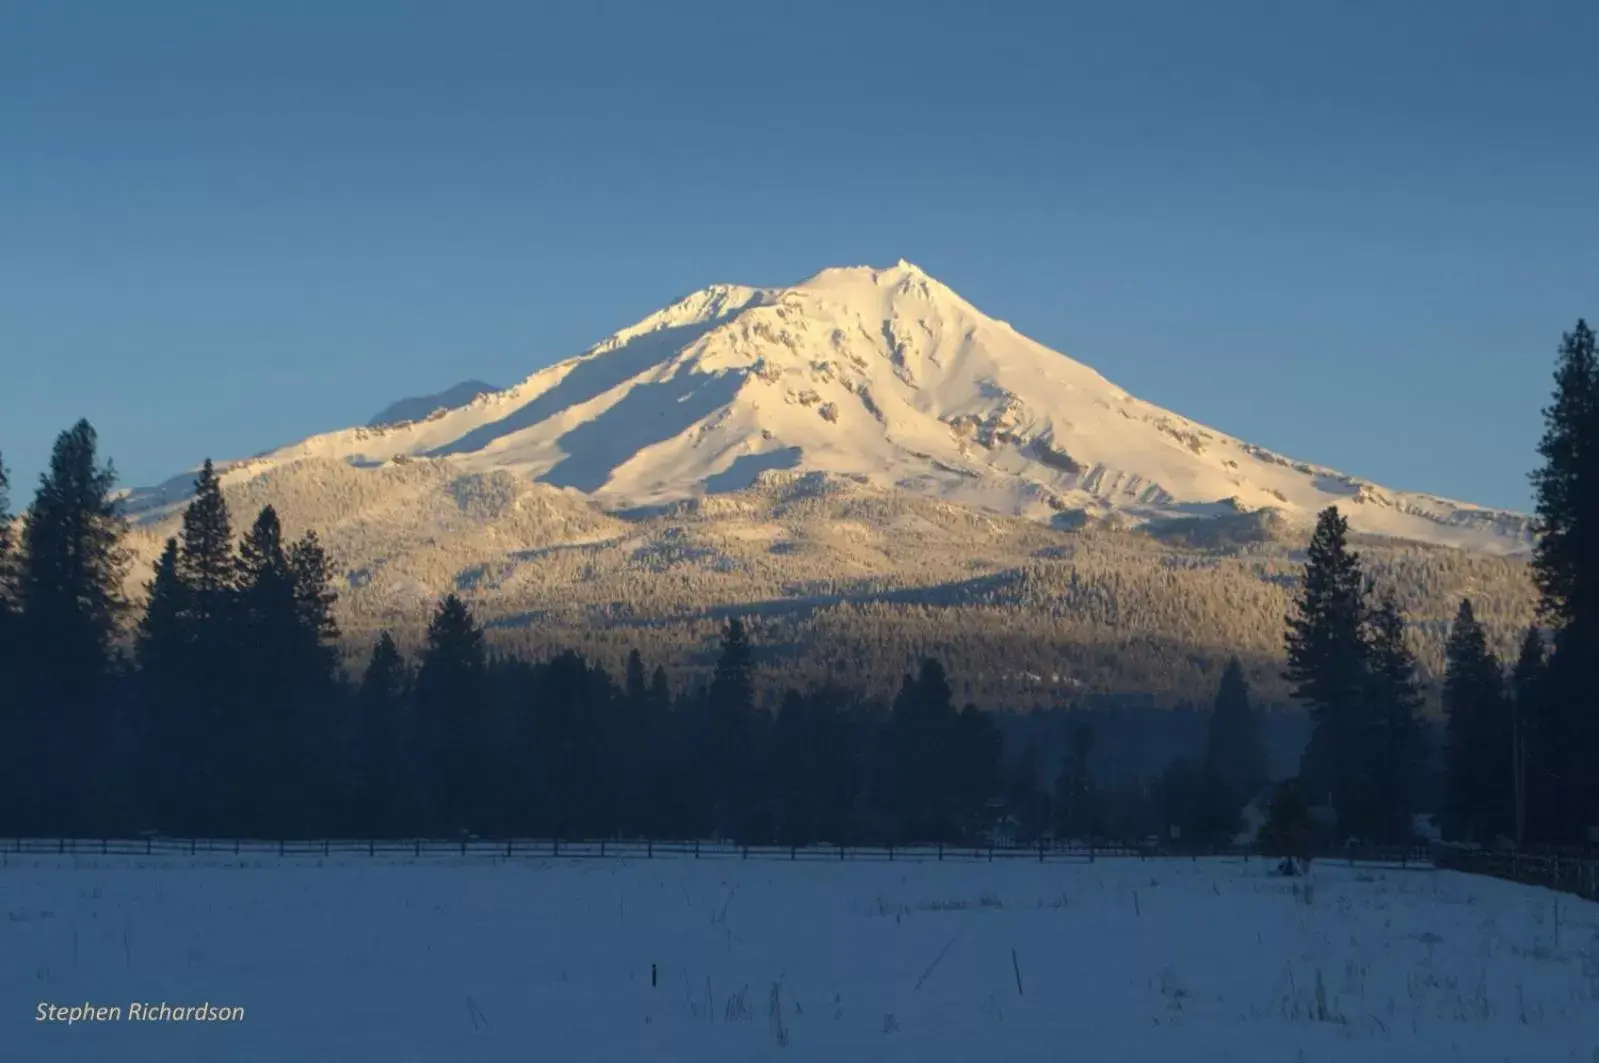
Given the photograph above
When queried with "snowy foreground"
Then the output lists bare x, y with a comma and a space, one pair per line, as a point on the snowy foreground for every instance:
1122, 959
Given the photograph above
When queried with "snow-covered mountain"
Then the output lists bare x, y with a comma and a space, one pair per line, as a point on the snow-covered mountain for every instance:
884, 376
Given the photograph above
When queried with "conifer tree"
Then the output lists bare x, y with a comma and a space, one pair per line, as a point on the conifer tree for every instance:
923, 734
1234, 769
1327, 663
262, 736
1565, 556
730, 734
162, 652
1392, 731
1527, 704
660, 691
314, 599
208, 568
72, 606
1479, 767
636, 690
1566, 568
978, 750
382, 742
453, 705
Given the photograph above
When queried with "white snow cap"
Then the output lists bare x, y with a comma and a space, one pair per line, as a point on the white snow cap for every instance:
885, 375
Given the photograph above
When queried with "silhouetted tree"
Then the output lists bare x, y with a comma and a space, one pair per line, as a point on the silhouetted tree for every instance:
1392, 732
162, 653
975, 778
1288, 831
1479, 769
383, 743
206, 562
923, 733
730, 734
1566, 568
1527, 702
453, 706
1234, 769
1327, 664
72, 606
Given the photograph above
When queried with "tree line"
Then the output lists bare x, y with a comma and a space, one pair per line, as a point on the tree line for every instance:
221, 709
227, 715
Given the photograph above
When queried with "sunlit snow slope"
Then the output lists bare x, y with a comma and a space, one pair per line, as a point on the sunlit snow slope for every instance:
881, 374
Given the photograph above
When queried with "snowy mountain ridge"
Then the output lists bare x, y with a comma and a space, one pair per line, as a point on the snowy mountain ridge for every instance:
880, 376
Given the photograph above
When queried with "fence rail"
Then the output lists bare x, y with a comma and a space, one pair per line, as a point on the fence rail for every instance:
548, 848
1575, 873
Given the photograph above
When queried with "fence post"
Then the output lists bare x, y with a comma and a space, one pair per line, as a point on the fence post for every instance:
324, 847
282, 846
991, 852
104, 845
371, 847
507, 847
555, 847
696, 848
146, 846
793, 852
463, 846
418, 846
649, 848
891, 852
1041, 850
941, 850
235, 847
602, 846
841, 852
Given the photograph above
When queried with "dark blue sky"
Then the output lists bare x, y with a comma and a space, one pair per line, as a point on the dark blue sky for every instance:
1353, 235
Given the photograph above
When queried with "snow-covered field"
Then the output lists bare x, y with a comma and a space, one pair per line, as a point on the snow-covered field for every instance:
1121, 959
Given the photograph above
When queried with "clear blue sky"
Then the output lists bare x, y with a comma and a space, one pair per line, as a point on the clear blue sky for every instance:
1354, 236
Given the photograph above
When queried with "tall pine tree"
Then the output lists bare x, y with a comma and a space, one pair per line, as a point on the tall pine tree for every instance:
923, 733
1234, 770
72, 606
453, 708
1566, 567
1479, 783
1391, 723
163, 651
1527, 702
730, 737
383, 743
1327, 664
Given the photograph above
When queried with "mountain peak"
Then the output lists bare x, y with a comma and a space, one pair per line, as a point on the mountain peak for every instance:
886, 374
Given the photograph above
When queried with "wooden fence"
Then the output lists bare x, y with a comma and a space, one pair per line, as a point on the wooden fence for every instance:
550, 848
1567, 871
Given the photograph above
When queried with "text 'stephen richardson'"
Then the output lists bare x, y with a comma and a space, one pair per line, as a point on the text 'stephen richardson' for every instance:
137, 1011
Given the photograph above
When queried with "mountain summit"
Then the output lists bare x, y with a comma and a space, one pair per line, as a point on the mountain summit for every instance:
890, 378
